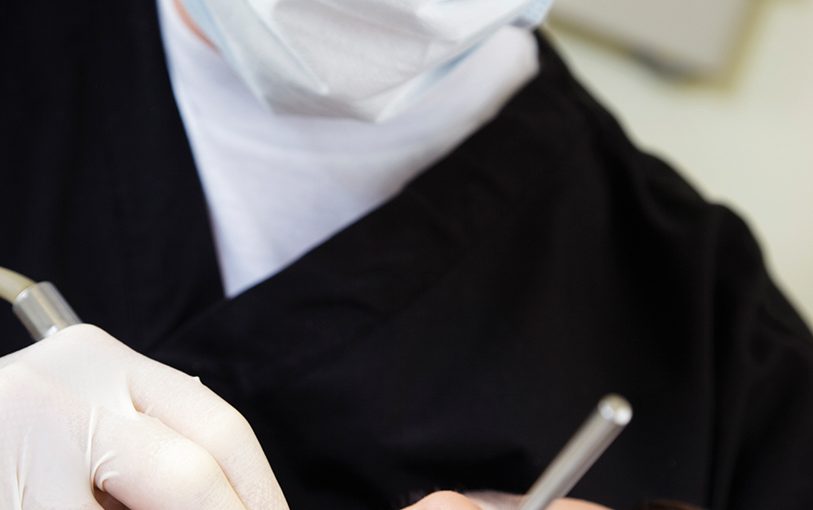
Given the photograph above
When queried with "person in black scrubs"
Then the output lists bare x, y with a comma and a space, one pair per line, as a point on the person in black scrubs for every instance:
451, 336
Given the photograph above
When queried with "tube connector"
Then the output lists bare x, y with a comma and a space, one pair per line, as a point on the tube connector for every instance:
43, 310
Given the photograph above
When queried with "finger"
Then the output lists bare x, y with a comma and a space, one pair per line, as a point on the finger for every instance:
147, 466
444, 500
194, 411
575, 504
495, 500
502, 501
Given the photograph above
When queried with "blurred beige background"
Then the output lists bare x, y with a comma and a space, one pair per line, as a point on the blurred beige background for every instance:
743, 134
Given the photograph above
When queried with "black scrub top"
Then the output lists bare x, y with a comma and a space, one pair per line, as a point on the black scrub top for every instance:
455, 337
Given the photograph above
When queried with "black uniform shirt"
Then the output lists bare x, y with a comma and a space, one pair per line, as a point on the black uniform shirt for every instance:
453, 338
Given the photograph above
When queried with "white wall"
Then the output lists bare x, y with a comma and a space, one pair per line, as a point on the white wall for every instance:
696, 36
745, 140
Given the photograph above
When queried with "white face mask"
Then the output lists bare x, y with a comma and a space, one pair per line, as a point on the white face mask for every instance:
366, 59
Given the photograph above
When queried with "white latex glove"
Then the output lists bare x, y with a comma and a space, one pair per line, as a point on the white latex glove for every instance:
81, 410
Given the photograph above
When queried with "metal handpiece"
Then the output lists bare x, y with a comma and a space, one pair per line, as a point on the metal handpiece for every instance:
43, 310
584, 448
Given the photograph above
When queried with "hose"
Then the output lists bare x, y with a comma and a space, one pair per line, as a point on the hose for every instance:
12, 284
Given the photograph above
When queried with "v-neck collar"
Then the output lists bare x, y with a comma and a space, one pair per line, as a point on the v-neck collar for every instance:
381, 265
361, 275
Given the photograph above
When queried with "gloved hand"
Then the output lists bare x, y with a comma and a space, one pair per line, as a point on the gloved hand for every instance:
81, 410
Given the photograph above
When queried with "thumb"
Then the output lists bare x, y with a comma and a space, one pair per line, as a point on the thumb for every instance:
445, 500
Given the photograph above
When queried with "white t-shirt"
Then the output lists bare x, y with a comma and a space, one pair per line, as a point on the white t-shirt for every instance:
279, 185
